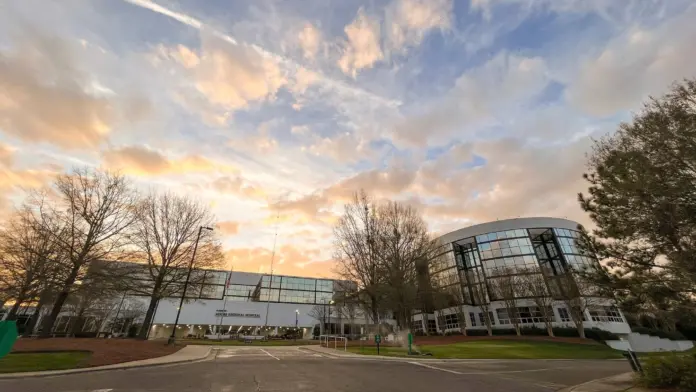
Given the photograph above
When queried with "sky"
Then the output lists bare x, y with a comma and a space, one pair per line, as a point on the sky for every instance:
274, 112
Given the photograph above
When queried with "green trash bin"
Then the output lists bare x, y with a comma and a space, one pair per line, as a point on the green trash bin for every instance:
8, 335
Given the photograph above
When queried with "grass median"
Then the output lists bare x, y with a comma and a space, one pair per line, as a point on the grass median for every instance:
35, 362
502, 349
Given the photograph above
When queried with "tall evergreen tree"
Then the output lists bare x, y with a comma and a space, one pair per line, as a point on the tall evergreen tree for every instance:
642, 198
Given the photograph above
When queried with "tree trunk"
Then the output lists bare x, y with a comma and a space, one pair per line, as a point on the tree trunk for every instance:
29, 330
12, 314
50, 319
549, 329
78, 321
149, 315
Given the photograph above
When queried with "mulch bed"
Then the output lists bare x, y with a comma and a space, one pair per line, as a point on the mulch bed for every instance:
104, 351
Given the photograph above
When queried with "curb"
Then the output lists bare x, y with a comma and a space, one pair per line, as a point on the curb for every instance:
366, 357
574, 387
105, 368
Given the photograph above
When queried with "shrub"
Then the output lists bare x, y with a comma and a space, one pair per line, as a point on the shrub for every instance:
670, 371
600, 335
534, 331
477, 332
565, 332
503, 331
676, 335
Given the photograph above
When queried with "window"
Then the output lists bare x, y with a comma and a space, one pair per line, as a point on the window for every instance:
503, 317
501, 235
325, 285
267, 282
606, 314
432, 327
490, 317
417, 326
563, 313
269, 295
211, 291
482, 319
297, 296
239, 290
449, 321
298, 284
472, 318
532, 314
324, 298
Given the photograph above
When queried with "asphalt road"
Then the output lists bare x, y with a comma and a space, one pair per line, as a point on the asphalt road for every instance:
294, 369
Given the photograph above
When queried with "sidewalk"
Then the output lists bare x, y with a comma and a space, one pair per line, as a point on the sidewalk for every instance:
619, 383
186, 354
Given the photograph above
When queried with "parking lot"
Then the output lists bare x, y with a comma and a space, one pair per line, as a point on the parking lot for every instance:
270, 369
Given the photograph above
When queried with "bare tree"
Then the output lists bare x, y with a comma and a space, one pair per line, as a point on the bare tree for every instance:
29, 259
534, 287
505, 286
347, 303
380, 246
318, 312
480, 298
93, 209
355, 251
164, 235
577, 294
402, 241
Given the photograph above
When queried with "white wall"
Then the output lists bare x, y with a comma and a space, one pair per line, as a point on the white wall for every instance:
647, 344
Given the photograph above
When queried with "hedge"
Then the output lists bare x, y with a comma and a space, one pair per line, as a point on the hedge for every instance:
670, 371
676, 335
590, 333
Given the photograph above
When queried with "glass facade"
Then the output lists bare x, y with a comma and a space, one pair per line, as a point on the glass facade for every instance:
476, 261
290, 289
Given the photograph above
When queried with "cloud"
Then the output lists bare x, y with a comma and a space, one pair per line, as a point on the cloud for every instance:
228, 228
236, 185
497, 88
638, 63
310, 41
323, 205
44, 94
409, 21
362, 50
14, 180
288, 260
230, 77
346, 147
148, 162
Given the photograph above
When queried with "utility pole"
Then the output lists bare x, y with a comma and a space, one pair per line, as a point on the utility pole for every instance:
172, 337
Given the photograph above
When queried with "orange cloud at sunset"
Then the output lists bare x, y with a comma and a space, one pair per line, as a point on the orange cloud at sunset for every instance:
228, 227
143, 161
288, 260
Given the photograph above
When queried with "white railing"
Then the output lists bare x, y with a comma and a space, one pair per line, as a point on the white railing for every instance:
325, 341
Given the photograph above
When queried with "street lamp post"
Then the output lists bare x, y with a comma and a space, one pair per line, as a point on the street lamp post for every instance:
172, 337
297, 312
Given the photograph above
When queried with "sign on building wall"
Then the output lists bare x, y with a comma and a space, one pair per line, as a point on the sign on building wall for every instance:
225, 313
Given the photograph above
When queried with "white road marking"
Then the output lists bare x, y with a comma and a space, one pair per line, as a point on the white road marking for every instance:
103, 390
270, 355
435, 368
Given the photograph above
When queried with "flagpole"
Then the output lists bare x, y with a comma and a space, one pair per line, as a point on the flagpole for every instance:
224, 300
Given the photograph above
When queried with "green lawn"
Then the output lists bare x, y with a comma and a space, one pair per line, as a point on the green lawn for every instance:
504, 349
34, 362
253, 343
